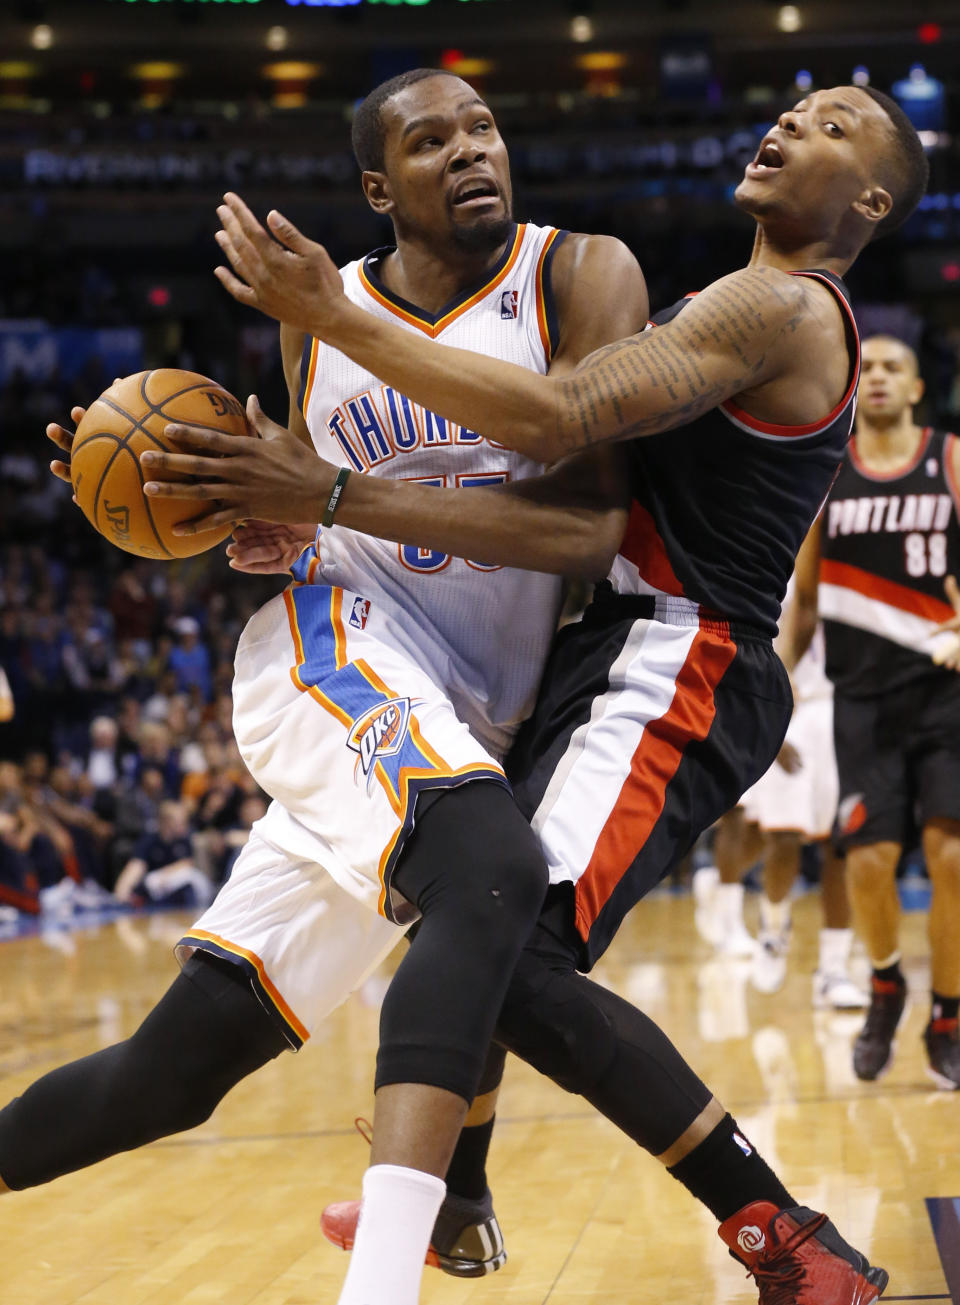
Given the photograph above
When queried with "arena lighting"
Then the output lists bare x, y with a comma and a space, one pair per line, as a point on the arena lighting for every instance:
581, 29
789, 18
192, 2
276, 38
861, 75
803, 80
602, 61
41, 38
929, 33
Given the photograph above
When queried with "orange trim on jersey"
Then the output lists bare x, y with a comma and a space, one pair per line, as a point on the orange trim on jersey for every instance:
905, 470
253, 959
311, 375
433, 329
408, 774
643, 547
542, 324
657, 759
881, 590
312, 689
397, 798
339, 633
813, 427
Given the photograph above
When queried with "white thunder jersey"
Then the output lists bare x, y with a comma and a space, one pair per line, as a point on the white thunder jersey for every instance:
480, 632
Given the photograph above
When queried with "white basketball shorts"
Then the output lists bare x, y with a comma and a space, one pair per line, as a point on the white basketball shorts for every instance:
805, 801
343, 731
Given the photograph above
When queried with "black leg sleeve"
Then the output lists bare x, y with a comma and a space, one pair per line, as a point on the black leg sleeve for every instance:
593, 1043
206, 1033
474, 870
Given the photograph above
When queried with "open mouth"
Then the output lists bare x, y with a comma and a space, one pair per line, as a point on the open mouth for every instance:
769, 159
474, 193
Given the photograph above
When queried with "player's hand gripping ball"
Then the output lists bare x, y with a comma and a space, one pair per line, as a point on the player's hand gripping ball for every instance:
127, 419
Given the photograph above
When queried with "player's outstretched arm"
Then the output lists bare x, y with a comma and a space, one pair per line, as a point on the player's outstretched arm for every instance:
737, 334
568, 522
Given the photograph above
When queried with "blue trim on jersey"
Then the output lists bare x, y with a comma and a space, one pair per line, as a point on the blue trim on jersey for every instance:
549, 299
348, 690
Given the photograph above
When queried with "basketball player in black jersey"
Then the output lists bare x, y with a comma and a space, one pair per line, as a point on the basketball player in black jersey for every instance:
883, 550
755, 378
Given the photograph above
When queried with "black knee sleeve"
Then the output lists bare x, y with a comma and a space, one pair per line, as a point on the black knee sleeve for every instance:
546, 1021
593, 1043
475, 872
205, 1034
491, 1076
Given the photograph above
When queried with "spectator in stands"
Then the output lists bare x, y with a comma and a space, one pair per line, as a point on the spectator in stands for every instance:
102, 768
163, 866
190, 659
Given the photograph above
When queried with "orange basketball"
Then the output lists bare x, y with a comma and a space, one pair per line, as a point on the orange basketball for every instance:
105, 458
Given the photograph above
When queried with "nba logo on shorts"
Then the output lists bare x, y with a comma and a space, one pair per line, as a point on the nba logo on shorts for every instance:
509, 304
361, 610
379, 732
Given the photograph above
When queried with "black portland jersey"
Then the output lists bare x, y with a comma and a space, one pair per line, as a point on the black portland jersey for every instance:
887, 542
721, 506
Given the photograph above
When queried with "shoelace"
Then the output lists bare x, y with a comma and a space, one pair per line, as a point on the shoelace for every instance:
780, 1273
364, 1128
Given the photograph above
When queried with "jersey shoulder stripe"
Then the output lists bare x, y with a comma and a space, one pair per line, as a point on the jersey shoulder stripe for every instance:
547, 319
308, 370
771, 430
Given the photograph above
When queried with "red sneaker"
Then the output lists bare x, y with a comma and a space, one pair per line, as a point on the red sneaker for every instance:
466, 1241
797, 1257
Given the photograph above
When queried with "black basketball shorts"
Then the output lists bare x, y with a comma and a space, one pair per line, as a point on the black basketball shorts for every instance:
645, 732
898, 759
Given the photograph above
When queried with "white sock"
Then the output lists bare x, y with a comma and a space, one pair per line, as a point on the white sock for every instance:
774, 916
835, 947
397, 1215
730, 907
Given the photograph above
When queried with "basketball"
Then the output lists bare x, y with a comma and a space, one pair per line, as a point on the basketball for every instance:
127, 419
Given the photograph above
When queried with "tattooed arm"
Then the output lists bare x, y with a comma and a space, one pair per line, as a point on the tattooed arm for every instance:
755, 330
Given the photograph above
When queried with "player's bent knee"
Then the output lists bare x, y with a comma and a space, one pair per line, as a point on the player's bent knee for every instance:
555, 1028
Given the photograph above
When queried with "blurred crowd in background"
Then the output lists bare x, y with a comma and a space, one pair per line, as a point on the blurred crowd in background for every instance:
119, 756
117, 759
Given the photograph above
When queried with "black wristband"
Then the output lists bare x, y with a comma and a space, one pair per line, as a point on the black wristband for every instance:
335, 495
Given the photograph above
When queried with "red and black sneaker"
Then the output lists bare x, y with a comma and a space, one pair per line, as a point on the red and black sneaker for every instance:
797, 1257
943, 1052
873, 1049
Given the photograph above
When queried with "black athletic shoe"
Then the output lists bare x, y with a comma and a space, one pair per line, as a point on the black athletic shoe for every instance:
943, 1052
466, 1242
873, 1049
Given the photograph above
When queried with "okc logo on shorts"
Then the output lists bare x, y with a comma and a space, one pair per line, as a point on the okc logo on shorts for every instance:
361, 610
751, 1239
380, 732
509, 304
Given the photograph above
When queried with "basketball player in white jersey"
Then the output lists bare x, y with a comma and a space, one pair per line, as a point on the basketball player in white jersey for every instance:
382, 688
715, 524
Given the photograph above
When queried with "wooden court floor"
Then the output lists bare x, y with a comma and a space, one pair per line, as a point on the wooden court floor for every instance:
229, 1213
